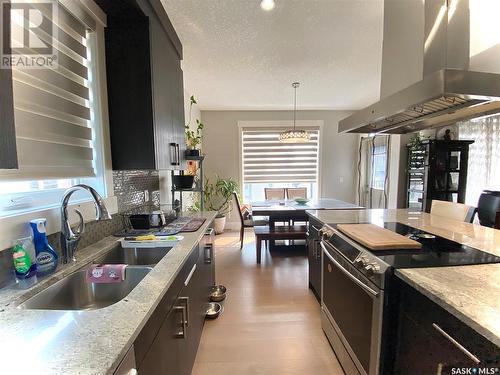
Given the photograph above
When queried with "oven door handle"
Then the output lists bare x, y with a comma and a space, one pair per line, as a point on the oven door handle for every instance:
348, 274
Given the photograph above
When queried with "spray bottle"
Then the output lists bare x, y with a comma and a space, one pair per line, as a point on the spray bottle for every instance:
46, 257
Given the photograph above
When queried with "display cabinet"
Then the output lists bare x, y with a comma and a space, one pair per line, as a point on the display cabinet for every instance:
437, 169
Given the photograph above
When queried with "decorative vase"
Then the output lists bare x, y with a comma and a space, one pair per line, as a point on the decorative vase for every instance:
219, 224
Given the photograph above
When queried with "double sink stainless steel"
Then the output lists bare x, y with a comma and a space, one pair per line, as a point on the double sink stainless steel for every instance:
73, 292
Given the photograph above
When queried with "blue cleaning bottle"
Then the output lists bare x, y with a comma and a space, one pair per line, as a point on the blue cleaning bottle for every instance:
46, 257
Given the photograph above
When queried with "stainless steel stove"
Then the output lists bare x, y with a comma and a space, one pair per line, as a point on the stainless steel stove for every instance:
355, 294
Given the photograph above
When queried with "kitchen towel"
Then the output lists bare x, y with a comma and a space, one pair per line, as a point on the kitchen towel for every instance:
106, 273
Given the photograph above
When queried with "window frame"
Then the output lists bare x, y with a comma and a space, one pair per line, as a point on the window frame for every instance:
50, 198
373, 155
280, 124
14, 225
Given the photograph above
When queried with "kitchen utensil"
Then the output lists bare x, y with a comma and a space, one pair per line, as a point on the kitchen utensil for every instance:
218, 293
155, 241
377, 238
155, 219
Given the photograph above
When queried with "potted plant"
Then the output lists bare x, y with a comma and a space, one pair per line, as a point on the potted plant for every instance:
218, 197
193, 137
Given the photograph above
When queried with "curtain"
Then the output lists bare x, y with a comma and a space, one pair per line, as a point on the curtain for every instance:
484, 156
52, 105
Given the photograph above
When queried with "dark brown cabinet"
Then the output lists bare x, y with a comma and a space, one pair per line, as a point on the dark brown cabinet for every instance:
432, 341
145, 86
162, 357
168, 343
8, 155
437, 169
314, 256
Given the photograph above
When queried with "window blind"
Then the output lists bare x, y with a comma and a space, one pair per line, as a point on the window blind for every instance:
52, 109
266, 159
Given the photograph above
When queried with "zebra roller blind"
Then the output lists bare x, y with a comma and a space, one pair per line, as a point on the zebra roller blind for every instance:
265, 159
52, 106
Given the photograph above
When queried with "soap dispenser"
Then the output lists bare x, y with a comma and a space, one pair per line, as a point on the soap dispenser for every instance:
46, 256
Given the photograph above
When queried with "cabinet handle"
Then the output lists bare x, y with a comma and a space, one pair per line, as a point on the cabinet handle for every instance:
186, 303
182, 334
178, 154
459, 346
132, 371
208, 253
173, 154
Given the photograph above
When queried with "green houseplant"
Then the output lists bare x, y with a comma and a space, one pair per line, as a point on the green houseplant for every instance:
193, 136
218, 196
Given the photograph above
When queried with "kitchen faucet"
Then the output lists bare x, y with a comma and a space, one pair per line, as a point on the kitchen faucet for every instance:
70, 237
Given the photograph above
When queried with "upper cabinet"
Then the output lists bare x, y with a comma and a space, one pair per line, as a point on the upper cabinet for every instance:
8, 155
145, 86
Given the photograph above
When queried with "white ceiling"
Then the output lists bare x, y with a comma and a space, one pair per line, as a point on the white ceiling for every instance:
236, 56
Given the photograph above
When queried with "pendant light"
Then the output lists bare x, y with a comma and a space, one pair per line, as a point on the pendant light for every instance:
294, 135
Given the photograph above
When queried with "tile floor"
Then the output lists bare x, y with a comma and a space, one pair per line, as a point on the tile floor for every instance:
271, 320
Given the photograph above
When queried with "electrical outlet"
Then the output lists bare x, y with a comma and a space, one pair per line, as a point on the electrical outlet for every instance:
146, 196
341, 179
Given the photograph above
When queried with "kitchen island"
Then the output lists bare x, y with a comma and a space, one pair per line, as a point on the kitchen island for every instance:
470, 292
85, 341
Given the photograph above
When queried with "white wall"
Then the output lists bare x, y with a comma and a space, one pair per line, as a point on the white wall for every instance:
338, 151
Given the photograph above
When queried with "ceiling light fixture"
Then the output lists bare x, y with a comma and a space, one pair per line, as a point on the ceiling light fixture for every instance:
267, 5
294, 135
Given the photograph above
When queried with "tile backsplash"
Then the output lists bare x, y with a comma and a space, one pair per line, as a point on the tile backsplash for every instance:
129, 188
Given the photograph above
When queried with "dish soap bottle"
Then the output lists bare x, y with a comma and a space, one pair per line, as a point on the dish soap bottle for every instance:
46, 257
23, 255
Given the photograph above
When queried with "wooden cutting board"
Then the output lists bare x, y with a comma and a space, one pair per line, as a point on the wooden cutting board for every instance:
377, 238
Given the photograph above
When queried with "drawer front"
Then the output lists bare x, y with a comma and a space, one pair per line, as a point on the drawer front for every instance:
461, 342
150, 330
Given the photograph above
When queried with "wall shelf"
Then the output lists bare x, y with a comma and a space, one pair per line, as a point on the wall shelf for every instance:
200, 189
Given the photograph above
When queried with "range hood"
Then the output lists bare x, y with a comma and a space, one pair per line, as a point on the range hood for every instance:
449, 91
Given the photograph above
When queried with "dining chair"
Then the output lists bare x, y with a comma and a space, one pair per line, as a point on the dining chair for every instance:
452, 210
274, 193
248, 222
293, 193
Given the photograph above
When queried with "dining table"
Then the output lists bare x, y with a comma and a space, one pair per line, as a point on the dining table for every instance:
289, 210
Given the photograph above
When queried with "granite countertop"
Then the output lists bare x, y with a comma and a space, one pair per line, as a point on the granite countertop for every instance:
471, 293
89, 341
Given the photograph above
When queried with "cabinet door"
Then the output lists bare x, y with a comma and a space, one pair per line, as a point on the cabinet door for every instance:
193, 298
8, 155
163, 65
128, 71
165, 354
314, 258
431, 340
178, 115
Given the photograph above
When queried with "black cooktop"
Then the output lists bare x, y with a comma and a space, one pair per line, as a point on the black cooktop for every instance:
436, 251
